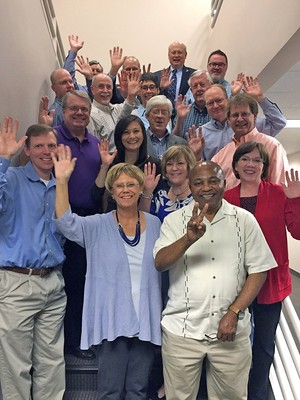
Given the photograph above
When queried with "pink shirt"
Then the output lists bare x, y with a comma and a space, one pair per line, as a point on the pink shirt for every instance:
278, 158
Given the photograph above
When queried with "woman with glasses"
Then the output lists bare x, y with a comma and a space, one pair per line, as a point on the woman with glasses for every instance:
131, 144
122, 299
275, 208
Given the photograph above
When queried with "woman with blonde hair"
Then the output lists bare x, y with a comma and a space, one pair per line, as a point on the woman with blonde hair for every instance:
122, 298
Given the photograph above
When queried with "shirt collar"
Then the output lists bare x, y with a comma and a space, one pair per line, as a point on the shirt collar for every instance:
152, 135
247, 137
101, 107
33, 176
64, 131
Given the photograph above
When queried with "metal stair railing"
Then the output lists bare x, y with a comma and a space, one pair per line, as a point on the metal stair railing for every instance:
285, 371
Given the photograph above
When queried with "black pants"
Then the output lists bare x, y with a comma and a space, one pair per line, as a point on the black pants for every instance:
74, 271
124, 367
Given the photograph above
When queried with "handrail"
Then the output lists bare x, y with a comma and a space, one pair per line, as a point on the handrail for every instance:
285, 372
53, 29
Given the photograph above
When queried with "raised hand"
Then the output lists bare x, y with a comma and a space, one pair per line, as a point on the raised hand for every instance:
196, 227
116, 60
84, 67
182, 109
165, 80
123, 82
292, 187
237, 85
151, 179
196, 141
45, 117
9, 145
75, 43
134, 85
252, 87
146, 70
63, 163
106, 157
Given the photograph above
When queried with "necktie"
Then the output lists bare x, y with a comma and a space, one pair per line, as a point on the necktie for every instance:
172, 87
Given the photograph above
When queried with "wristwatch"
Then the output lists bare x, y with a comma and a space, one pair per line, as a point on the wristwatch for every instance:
239, 313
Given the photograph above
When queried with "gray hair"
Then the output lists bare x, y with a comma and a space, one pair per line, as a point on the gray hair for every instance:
159, 100
78, 93
198, 73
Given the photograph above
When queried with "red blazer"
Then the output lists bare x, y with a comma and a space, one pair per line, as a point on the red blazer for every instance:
274, 213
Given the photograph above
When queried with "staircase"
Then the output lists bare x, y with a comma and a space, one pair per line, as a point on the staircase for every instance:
81, 379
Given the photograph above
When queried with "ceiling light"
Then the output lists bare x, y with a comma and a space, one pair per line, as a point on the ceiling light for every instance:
293, 123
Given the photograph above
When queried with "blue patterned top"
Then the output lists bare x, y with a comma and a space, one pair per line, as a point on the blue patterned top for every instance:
161, 204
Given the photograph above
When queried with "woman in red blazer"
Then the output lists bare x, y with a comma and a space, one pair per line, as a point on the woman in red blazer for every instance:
275, 208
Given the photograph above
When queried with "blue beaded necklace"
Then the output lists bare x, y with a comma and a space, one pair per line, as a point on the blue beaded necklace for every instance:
137, 236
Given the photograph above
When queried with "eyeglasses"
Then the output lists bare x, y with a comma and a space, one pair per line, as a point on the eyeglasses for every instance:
247, 160
195, 85
212, 102
84, 110
148, 87
128, 185
242, 115
156, 111
216, 65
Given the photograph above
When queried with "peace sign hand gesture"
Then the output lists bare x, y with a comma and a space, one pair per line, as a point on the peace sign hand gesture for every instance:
196, 227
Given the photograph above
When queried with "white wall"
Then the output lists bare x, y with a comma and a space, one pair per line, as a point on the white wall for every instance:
142, 28
251, 32
27, 59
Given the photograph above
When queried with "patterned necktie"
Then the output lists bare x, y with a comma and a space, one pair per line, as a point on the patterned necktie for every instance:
172, 87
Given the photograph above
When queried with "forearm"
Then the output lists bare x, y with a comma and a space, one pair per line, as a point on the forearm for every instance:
178, 128
100, 180
145, 203
273, 122
168, 256
62, 198
250, 290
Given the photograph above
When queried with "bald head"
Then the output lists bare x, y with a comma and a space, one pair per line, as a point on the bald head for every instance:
177, 54
207, 184
102, 88
61, 82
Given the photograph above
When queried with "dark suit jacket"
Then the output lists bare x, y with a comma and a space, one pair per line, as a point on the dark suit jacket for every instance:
184, 86
171, 141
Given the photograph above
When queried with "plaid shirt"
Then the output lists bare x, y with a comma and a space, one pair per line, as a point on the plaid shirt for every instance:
195, 117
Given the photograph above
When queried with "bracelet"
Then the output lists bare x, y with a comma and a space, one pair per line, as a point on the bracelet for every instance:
147, 197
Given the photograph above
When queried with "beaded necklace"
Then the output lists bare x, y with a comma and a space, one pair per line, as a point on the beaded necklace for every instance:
137, 236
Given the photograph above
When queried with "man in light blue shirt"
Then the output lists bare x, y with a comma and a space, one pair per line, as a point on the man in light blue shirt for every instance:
32, 296
217, 133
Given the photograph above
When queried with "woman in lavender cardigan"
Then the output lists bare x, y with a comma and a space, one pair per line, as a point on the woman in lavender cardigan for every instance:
122, 300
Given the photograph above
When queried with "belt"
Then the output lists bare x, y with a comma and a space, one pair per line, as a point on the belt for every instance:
31, 271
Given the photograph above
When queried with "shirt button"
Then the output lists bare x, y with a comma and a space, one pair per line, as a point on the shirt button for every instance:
214, 277
213, 258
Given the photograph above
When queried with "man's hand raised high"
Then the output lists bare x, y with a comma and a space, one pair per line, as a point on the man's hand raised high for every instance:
9, 145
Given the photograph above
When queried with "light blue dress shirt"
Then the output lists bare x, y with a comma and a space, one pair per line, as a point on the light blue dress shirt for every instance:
28, 236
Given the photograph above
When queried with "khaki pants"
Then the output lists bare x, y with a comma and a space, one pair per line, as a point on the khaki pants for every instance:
228, 365
31, 336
